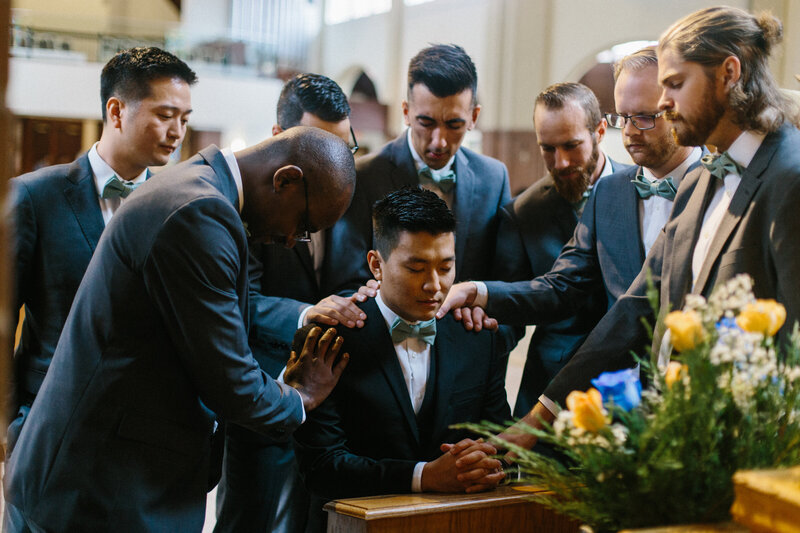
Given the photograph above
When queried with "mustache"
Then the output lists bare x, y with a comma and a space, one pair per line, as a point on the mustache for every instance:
672, 116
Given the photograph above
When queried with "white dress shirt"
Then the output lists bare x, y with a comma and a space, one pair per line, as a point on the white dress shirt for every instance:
742, 151
654, 211
414, 357
102, 173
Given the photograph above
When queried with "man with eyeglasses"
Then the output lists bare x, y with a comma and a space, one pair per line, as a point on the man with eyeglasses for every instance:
620, 222
155, 348
261, 489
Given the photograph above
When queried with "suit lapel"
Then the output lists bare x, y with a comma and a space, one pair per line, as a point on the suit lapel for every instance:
689, 223
382, 352
445, 373
631, 218
81, 195
739, 203
304, 256
463, 195
405, 171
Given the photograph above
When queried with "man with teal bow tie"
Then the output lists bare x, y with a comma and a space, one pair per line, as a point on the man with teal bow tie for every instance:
60, 211
410, 376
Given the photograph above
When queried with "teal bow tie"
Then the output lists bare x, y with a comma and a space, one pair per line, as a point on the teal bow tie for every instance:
116, 188
720, 165
424, 331
444, 180
664, 188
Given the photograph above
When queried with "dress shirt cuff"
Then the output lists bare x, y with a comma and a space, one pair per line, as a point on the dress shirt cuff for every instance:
416, 479
302, 407
302, 318
549, 404
483, 294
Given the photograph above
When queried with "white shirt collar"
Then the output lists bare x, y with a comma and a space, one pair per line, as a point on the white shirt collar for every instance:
419, 163
103, 172
744, 148
678, 172
230, 159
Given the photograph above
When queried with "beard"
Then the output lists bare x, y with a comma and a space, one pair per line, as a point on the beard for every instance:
695, 131
571, 188
656, 152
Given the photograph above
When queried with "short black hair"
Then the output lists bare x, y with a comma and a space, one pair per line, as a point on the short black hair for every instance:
129, 73
409, 209
311, 93
445, 69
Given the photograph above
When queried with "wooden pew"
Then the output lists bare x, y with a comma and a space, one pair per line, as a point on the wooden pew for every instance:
507, 509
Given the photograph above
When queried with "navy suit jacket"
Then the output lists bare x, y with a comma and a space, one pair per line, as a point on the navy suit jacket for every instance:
365, 439
757, 236
154, 349
282, 284
533, 230
57, 225
481, 190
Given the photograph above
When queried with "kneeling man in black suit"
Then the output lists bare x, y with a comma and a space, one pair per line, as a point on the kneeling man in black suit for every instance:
410, 376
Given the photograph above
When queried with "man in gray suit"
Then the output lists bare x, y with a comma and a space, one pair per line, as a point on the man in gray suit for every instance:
736, 215
441, 107
60, 211
536, 225
155, 349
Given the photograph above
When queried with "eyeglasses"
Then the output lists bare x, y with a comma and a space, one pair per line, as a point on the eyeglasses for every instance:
354, 148
640, 122
305, 235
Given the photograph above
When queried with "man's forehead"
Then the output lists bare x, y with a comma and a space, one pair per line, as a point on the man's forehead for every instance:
422, 245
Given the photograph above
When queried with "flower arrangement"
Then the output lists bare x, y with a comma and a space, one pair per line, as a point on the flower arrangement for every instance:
729, 399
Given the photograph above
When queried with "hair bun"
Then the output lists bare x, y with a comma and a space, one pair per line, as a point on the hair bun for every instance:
771, 27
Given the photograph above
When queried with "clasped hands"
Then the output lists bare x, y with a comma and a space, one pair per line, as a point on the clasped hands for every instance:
467, 466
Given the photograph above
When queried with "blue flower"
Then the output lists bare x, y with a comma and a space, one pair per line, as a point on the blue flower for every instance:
621, 388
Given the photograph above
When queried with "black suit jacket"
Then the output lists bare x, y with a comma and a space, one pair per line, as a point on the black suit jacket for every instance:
365, 438
757, 236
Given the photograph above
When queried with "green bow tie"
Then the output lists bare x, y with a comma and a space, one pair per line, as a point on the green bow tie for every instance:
424, 331
720, 165
116, 188
444, 180
645, 188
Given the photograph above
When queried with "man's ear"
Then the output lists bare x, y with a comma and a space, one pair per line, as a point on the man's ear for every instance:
114, 110
375, 262
600, 131
406, 118
286, 175
276, 129
475, 112
731, 70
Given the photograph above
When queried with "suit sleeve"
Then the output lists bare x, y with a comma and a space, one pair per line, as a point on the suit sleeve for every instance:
192, 274
621, 331
785, 250
331, 470
558, 294
24, 239
273, 321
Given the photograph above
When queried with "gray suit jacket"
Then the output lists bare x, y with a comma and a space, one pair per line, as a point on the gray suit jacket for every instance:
757, 236
481, 189
154, 349
569, 297
57, 225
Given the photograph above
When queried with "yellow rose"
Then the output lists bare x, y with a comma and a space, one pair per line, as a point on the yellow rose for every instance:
587, 409
686, 329
675, 371
763, 316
